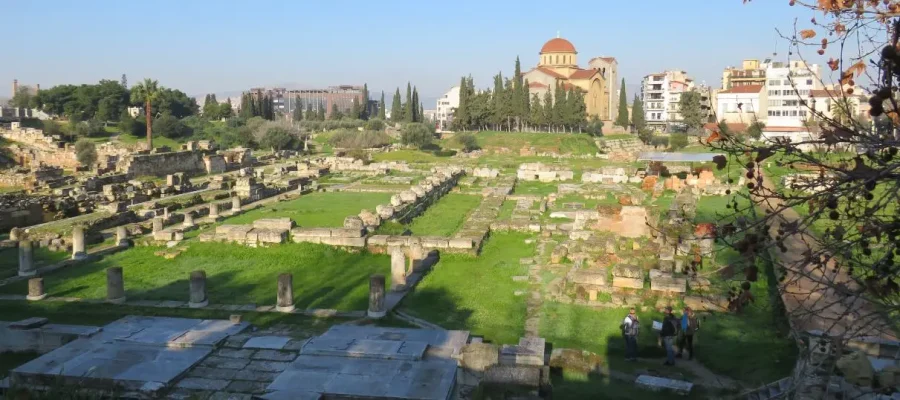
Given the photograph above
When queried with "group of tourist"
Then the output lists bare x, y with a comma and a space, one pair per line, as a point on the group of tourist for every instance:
674, 331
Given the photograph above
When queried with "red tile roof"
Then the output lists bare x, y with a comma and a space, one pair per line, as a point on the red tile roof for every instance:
551, 72
583, 74
536, 85
558, 45
744, 89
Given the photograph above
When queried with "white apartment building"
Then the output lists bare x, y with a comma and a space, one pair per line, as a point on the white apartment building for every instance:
739, 105
446, 105
788, 88
660, 94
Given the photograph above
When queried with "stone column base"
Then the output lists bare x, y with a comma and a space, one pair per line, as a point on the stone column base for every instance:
376, 314
36, 298
285, 309
125, 243
201, 304
79, 256
27, 273
120, 300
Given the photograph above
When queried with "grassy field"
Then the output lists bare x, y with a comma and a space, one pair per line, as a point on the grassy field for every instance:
320, 209
560, 143
534, 187
324, 277
506, 210
445, 217
410, 156
9, 259
477, 294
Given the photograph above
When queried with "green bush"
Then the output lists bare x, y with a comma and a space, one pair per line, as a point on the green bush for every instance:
467, 141
375, 125
678, 141
348, 139
659, 141
85, 152
166, 125
91, 128
277, 138
416, 134
132, 126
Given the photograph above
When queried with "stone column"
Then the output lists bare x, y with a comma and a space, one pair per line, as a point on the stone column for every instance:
416, 255
78, 243
165, 212
235, 204
285, 293
198, 290
15, 234
188, 220
122, 236
398, 269
36, 289
376, 296
157, 224
26, 258
213, 210
115, 285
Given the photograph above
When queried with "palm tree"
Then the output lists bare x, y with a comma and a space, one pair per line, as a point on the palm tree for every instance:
146, 92
840, 109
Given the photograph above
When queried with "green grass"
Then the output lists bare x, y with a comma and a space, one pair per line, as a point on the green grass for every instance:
477, 294
534, 187
506, 210
324, 277
574, 385
589, 204
410, 156
9, 259
715, 208
445, 217
158, 141
621, 136
320, 209
560, 143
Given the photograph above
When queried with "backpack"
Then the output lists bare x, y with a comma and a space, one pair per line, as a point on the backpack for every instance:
633, 331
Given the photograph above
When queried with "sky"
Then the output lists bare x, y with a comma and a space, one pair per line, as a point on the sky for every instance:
202, 46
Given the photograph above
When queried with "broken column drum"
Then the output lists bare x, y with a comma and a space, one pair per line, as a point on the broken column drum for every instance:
36, 289
188, 220
398, 269
115, 285
285, 295
235, 204
198, 290
78, 252
213, 210
376, 296
157, 224
122, 236
26, 258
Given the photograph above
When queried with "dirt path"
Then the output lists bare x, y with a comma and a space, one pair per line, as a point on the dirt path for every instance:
810, 295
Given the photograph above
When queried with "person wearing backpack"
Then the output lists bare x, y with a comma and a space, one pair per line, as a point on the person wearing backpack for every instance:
689, 326
630, 330
667, 335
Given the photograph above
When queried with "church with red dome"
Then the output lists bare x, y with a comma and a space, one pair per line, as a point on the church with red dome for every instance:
558, 64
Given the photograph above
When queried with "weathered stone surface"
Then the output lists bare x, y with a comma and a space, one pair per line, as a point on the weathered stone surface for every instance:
344, 241
376, 297
575, 360
509, 376
856, 369
267, 342
529, 351
460, 243
595, 277
348, 233
280, 224
666, 282
353, 223
480, 356
274, 355
657, 383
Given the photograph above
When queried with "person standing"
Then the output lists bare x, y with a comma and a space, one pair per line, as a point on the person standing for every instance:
630, 330
667, 334
689, 326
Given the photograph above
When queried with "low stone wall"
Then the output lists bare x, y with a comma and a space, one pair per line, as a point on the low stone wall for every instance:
160, 164
35, 334
380, 243
260, 232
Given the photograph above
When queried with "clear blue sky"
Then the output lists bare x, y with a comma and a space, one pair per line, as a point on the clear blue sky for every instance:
202, 46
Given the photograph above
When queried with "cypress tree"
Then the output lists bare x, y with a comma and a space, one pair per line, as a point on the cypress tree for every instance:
637, 114
356, 109
416, 115
321, 113
525, 103
408, 110
548, 109
622, 118
396, 107
559, 106
421, 112
497, 106
381, 106
519, 103
536, 112
364, 106
298, 110
460, 116
309, 112
246, 107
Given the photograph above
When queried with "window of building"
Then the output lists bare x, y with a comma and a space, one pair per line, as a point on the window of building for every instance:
803, 113
809, 81
774, 93
774, 82
790, 103
556, 59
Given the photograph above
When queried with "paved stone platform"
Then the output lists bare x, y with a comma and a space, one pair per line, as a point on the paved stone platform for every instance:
139, 354
372, 362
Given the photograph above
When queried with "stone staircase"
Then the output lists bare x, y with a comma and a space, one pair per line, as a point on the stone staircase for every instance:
779, 389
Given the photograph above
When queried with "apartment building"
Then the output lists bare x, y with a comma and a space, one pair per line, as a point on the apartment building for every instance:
787, 92
751, 73
661, 94
344, 96
446, 105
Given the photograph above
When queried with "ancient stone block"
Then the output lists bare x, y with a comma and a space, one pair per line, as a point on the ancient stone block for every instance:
310, 232
271, 235
435, 242
353, 222
347, 232
344, 241
666, 282
282, 224
460, 243
479, 356
596, 277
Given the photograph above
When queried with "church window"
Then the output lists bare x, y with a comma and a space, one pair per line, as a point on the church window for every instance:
556, 59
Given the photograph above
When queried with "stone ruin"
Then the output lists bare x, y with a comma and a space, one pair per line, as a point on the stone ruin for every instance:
543, 173
485, 172
609, 175
260, 232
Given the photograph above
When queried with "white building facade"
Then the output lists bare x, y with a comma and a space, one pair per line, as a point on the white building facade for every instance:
788, 89
739, 105
660, 94
446, 105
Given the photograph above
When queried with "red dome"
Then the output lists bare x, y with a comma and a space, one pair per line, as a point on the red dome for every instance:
558, 45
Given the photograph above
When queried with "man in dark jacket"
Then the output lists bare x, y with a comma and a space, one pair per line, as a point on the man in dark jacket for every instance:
668, 332
689, 326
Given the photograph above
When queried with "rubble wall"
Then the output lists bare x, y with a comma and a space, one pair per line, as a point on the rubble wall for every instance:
160, 164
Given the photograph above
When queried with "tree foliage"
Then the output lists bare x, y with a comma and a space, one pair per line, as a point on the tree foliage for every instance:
678, 141
622, 114
417, 135
278, 138
167, 125
690, 110
85, 152
467, 141
638, 119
